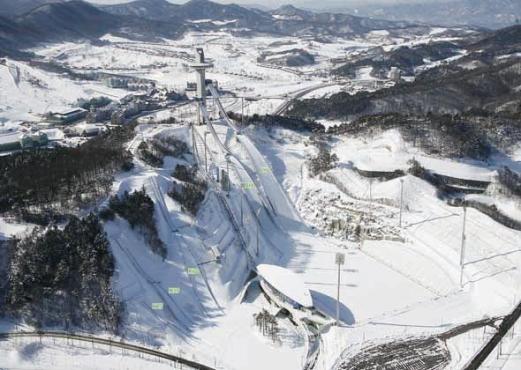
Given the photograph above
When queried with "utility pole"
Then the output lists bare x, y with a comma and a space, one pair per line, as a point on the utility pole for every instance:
401, 201
258, 230
371, 191
339, 260
258, 227
462, 252
242, 114
242, 213
205, 154
229, 185
194, 142
370, 197
346, 226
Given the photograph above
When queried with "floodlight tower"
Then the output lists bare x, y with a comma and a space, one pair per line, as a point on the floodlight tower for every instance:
200, 65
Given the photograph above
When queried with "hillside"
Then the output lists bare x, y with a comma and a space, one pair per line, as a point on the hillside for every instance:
155, 19
161, 10
63, 21
74, 20
287, 20
298, 20
486, 79
10, 8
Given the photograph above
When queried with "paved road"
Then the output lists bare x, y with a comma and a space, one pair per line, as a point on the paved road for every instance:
299, 94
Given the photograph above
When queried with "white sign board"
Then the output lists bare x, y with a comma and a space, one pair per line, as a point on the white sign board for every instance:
340, 258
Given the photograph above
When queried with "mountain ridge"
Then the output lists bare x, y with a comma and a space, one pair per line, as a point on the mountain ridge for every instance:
493, 14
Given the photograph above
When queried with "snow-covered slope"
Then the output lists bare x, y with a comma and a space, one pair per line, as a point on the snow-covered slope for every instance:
29, 92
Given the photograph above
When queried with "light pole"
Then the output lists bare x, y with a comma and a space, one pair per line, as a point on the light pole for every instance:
258, 229
205, 154
339, 260
242, 113
462, 252
401, 201
242, 213
370, 197
228, 181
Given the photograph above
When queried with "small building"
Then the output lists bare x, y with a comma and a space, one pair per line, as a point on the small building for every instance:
395, 74
68, 116
54, 134
87, 129
117, 82
10, 141
37, 140
102, 114
18, 140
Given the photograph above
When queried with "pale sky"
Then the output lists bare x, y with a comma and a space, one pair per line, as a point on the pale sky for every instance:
276, 3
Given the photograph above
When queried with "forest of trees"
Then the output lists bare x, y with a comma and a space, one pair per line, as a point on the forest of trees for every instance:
153, 151
62, 179
138, 209
444, 89
405, 58
290, 123
510, 180
191, 192
62, 278
267, 324
323, 161
445, 135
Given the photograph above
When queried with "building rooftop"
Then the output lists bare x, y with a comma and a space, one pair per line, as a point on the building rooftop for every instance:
10, 137
71, 111
286, 282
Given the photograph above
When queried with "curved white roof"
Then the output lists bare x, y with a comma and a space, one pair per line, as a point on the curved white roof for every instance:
286, 282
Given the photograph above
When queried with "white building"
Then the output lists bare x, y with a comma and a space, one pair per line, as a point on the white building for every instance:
284, 286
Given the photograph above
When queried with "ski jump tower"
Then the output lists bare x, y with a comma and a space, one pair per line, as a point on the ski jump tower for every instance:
200, 66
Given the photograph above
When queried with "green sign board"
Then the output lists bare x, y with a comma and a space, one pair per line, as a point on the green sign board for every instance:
157, 306
174, 290
193, 271
248, 186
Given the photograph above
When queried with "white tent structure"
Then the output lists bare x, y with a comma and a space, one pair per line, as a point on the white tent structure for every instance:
285, 286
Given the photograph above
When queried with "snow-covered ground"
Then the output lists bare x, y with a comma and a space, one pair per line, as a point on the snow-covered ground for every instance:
429, 258
60, 354
28, 92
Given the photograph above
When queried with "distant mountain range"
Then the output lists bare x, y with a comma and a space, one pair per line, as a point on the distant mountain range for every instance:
25, 23
10, 8
53, 21
483, 13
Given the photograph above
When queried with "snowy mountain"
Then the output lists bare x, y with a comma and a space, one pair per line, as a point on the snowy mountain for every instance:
67, 20
153, 19
484, 13
73, 20
285, 20
151, 9
10, 8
